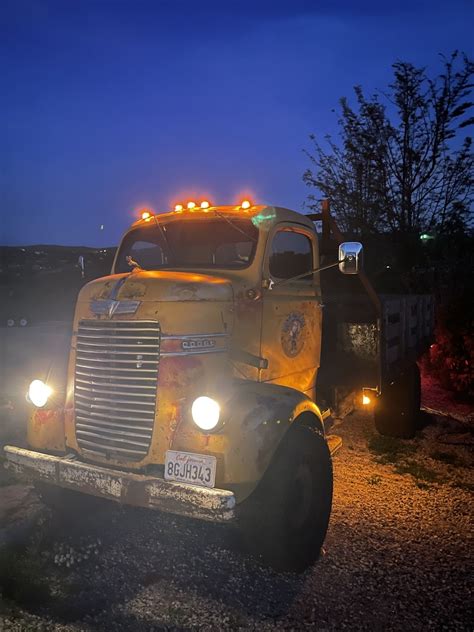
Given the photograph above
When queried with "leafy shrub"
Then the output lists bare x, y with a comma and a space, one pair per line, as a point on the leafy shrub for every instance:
451, 357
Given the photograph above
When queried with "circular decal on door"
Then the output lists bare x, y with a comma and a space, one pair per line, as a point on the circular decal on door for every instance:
292, 339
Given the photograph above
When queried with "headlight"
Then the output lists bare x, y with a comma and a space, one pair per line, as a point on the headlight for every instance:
205, 412
39, 393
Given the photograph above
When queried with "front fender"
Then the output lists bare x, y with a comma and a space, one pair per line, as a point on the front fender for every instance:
45, 430
256, 418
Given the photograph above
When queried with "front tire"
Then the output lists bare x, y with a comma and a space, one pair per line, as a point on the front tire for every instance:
286, 518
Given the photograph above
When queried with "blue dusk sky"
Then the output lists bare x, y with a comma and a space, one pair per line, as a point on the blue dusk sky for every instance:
111, 105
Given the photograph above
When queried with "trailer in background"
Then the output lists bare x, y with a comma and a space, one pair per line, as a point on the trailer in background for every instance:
370, 342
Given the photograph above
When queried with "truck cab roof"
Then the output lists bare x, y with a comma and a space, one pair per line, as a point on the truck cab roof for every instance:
262, 216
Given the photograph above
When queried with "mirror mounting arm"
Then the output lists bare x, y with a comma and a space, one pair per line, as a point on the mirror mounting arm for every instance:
270, 283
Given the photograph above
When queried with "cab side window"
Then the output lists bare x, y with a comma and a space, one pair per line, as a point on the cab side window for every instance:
291, 254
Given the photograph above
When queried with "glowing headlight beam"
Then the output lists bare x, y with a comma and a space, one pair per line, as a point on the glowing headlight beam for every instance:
206, 412
39, 393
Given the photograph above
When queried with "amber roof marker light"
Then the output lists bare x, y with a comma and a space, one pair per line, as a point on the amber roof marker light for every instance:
191, 205
205, 204
246, 204
178, 208
145, 215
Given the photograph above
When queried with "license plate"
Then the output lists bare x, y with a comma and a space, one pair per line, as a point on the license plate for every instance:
186, 467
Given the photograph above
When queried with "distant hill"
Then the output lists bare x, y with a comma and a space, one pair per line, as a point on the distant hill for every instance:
41, 282
47, 257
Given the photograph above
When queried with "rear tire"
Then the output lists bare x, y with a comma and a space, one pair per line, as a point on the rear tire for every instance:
397, 411
285, 520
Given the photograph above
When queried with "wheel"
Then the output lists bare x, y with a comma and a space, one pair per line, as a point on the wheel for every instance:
285, 520
10, 322
397, 411
23, 322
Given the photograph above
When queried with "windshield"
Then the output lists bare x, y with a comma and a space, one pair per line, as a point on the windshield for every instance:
203, 243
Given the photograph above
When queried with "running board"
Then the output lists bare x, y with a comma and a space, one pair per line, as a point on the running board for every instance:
334, 443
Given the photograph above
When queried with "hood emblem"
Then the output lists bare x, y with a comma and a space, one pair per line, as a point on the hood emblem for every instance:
110, 307
198, 343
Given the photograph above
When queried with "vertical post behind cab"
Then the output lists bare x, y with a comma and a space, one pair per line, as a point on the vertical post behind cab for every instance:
329, 226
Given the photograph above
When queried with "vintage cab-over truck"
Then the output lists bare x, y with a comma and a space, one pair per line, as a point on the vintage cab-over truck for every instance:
204, 369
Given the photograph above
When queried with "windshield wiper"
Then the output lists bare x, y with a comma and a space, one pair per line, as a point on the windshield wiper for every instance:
164, 236
231, 223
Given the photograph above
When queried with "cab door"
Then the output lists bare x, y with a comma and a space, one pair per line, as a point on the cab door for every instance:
291, 318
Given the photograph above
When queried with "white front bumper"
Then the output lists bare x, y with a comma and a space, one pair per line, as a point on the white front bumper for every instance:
216, 505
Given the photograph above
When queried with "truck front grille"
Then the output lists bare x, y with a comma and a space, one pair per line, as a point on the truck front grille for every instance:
115, 386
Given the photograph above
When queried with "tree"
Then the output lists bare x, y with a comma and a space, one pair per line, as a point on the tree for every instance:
403, 165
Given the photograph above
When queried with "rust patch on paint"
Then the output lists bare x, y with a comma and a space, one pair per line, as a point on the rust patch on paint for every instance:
103, 291
246, 307
185, 292
44, 416
178, 372
132, 289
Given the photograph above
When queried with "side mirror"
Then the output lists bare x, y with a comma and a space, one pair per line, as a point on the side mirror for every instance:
351, 257
82, 265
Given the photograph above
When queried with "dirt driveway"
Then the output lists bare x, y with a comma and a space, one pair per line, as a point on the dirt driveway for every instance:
397, 555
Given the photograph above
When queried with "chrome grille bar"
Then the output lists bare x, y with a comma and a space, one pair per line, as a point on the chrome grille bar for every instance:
114, 345
123, 433
108, 424
119, 361
114, 401
100, 449
113, 352
103, 326
115, 438
109, 369
115, 386
111, 392
99, 409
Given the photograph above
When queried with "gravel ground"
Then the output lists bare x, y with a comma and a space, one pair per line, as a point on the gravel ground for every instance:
396, 557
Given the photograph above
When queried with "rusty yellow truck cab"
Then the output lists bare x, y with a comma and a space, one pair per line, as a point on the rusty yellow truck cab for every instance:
192, 377
216, 329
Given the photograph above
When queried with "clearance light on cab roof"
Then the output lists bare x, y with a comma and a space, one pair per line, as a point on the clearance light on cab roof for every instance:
146, 214
204, 205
